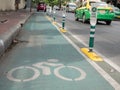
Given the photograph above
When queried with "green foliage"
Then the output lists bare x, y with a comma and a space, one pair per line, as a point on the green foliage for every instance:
36, 1
52, 2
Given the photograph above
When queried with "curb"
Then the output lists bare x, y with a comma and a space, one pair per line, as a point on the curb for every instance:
56, 24
7, 38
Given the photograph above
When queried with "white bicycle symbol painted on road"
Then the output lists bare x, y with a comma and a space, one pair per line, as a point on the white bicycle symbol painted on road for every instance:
46, 71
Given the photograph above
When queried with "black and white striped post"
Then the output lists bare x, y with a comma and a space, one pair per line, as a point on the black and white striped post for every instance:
93, 20
63, 21
91, 40
54, 12
63, 17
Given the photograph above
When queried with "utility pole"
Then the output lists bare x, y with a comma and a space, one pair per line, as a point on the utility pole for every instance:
60, 4
29, 4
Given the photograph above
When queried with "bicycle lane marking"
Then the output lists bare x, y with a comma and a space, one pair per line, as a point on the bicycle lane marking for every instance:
58, 51
83, 74
11, 77
45, 71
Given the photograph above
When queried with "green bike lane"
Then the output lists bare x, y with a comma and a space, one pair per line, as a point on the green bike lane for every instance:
47, 61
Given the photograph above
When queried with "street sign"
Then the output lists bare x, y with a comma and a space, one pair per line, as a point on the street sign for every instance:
93, 16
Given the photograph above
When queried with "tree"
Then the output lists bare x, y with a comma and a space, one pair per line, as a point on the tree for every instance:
52, 2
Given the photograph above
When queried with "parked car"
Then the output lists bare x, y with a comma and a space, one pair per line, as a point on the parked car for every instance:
41, 6
70, 7
57, 8
116, 10
104, 12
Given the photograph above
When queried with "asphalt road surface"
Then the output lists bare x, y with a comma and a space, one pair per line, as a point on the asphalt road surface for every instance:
44, 59
107, 40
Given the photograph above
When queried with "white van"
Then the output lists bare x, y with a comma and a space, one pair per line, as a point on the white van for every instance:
70, 7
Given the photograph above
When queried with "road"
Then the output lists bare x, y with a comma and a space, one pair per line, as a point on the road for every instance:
107, 40
45, 59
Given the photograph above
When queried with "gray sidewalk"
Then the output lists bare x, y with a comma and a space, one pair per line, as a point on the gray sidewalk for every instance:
10, 22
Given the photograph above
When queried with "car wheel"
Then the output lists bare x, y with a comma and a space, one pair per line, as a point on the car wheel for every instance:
108, 22
84, 18
76, 19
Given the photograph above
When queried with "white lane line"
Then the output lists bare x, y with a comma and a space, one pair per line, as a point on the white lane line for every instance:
116, 67
106, 76
112, 64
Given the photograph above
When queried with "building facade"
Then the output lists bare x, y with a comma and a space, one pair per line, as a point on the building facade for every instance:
11, 4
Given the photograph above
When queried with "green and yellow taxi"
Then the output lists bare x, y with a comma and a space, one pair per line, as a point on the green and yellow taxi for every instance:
104, 12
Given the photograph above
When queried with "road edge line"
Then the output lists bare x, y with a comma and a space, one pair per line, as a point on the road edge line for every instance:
104, 74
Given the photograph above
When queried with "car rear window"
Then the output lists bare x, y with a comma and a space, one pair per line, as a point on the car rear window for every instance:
101, 4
